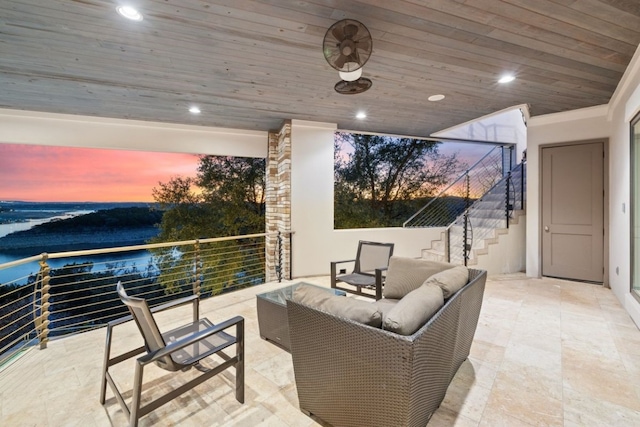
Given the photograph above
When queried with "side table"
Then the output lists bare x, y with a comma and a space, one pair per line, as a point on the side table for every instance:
272, 313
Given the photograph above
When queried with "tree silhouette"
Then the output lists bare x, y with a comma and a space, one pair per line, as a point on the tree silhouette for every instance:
225, 199
382, 180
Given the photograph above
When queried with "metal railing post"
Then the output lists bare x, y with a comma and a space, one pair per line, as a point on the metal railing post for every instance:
197, 283
41, 302
466, 248
522, 172
290, 267
507, 197
279, 257
447, 247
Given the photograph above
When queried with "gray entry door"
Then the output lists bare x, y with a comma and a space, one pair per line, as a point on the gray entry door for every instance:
573, 212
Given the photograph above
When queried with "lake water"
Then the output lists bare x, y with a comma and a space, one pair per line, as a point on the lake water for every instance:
19, 274
17, 216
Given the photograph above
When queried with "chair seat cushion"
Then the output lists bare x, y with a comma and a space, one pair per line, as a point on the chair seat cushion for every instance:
347, 308
413, 311
406, 274
451, 280
202, 348
356, 279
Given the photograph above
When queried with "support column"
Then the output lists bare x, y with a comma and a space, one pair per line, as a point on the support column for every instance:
278, 204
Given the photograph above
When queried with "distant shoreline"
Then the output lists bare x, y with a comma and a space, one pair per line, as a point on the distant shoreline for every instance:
122, 225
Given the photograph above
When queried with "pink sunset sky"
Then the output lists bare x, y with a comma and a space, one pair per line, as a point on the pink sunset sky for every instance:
37, 173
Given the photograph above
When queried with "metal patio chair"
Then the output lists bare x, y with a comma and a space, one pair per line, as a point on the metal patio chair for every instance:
371, 256
177, 350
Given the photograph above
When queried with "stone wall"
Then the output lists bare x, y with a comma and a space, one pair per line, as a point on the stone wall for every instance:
278, 204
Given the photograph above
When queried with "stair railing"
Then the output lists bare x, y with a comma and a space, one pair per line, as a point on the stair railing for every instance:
512, 189
451, 202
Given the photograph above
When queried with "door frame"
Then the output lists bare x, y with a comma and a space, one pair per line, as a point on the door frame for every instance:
605, 200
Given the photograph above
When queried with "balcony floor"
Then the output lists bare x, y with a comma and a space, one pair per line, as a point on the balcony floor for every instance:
547, 352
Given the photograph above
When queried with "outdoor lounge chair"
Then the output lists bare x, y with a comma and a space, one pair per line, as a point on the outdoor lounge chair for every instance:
371, 256
175, 350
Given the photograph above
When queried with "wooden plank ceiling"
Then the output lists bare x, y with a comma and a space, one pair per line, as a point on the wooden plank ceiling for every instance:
250, 64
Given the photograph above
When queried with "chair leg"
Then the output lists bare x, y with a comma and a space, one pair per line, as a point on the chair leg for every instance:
137, 392
107, 354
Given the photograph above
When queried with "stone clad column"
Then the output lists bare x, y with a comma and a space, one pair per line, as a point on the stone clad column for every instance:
278, 202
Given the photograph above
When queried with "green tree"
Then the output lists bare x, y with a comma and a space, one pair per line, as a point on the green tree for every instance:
226, 198
382, 180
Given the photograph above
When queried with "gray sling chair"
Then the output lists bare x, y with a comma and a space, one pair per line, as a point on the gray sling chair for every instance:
372, 258
175, 350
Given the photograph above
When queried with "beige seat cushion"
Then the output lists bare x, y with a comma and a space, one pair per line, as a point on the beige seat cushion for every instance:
406, 274
347, 308
451, 280
413, 311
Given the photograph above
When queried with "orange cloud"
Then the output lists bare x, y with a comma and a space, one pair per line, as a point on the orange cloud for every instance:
67, 174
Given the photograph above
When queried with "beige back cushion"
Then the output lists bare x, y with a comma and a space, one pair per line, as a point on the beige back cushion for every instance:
406, 274
347, 308
451, 280
413, 311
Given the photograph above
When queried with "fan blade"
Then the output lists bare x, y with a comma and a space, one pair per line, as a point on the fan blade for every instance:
338, 33
342, 59
364, 44
350, 30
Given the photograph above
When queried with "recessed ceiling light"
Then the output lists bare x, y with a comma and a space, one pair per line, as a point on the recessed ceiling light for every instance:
129, 13
194, 110
361, 115
434, 98
507, 78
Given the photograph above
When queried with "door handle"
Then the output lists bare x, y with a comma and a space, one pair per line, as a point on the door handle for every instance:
546, 228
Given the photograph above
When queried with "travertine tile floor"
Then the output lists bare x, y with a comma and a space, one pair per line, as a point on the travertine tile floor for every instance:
546, 353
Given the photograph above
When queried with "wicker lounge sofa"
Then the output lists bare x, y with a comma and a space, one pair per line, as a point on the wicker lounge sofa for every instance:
352, 374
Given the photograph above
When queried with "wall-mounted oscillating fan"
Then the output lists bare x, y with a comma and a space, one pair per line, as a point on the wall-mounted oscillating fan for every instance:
347, 45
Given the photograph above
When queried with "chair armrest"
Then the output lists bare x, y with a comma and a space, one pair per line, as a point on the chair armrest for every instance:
193, 339
342, 262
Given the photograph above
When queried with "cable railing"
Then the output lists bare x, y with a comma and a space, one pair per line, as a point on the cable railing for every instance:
480, 220
451, 202
80, 295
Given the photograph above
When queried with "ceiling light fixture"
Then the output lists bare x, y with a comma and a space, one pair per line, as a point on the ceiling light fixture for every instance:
350, 76
434, 98
129, 13
507, 78
194, 110
361, 115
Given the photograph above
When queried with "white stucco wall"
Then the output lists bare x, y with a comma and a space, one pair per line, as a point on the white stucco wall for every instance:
507, 255
504, 126
315, 242
611, 121
29, 127
624, 106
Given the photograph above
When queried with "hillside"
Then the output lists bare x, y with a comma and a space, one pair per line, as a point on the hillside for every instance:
101, 229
